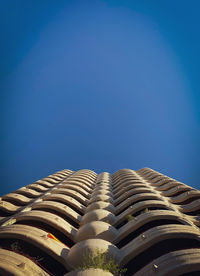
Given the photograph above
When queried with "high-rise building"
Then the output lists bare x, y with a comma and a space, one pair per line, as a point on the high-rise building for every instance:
83, 223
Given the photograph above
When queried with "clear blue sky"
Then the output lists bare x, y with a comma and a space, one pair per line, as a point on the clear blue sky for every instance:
102, 85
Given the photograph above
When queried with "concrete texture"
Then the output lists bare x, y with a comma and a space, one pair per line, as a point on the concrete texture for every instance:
143, 220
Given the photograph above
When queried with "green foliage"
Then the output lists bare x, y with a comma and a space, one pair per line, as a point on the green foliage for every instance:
146, 210
15, 246
102, 261
130, 217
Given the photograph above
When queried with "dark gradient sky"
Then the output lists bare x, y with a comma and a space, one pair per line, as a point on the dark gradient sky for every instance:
102, 85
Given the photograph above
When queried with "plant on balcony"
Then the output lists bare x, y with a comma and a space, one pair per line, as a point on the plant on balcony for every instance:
130, 217
146, 210
103, 261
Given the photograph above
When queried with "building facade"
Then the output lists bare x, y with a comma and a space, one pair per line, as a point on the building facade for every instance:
83, 223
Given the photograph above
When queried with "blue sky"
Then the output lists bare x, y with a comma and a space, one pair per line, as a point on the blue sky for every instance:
102, 85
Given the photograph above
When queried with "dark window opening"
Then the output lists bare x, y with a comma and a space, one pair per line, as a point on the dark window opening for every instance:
144, 228
128, 181
38, 189
71, 182
15, 202
50, 181
85, 180
37, 255
167, 188
69, 193
53, 177
24, 193
157, 251
193, 213
178, 193
133, 203
61, 215
121, 184
76, 189
67, 204
116, 182
5, 214
139, 213
133, 187
153, 177
129, 193
189, 200
48, 228
137, 186
48, 186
